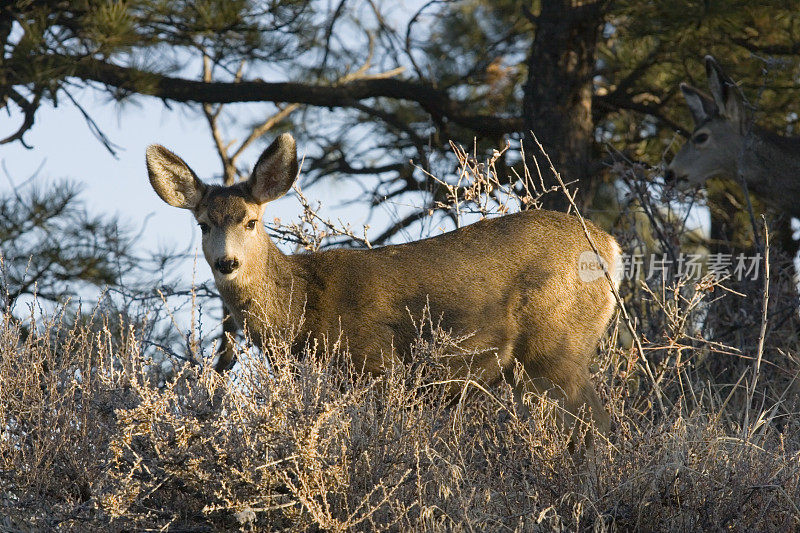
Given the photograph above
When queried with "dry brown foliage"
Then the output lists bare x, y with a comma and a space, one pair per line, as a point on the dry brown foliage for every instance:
90, 440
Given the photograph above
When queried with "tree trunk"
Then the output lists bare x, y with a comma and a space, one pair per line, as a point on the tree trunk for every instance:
557, 100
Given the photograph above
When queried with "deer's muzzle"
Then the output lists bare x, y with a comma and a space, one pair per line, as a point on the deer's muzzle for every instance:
226, 266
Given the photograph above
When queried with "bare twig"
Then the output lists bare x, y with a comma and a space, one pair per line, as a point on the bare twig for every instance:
625, 315
762, 334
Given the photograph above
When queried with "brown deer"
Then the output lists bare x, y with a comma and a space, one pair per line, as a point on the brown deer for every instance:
725, 142
524, 288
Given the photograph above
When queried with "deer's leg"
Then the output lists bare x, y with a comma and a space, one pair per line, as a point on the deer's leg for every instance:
585, 399
562, 373
226, 355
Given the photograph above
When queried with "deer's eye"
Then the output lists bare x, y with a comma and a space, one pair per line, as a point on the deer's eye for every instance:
203, 227
251, 224
700, 138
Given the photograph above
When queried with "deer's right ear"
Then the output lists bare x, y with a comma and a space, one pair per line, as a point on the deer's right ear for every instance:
275, 170
702, 107
172, 179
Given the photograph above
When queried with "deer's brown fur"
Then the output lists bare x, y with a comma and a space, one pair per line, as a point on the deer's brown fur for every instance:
511, 285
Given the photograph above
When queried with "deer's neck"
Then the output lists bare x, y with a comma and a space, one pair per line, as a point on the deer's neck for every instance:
268, 293
770, 164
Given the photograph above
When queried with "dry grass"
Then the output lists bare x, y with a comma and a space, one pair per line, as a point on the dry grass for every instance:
91, 440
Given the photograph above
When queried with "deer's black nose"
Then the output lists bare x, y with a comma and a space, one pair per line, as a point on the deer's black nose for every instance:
669, 176
226, 266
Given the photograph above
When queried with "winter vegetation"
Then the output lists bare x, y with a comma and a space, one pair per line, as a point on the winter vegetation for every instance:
113, 418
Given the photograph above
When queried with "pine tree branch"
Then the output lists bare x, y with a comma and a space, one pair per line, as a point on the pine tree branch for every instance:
435, 101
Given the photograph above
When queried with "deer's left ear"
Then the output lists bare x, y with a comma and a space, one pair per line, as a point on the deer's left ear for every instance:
725, 92
701, 106
275, 170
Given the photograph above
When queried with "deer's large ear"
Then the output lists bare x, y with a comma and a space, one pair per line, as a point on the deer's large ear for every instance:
702, 107
172, 179
275, 170
725, 92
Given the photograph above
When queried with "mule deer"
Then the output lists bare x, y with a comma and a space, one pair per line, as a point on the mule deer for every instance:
513, 285
726, 142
